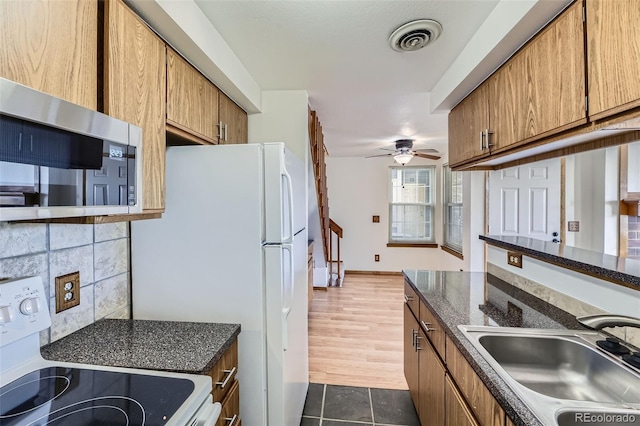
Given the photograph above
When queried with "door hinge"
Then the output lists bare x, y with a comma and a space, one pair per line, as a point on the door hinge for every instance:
586, 104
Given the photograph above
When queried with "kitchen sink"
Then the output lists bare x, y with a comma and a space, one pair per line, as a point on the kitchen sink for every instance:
559, 374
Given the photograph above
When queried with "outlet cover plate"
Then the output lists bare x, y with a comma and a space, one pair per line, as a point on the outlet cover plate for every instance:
67, 291
514, 259
573, 226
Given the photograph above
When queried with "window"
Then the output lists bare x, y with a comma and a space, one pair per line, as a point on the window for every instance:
453, 227
411, 205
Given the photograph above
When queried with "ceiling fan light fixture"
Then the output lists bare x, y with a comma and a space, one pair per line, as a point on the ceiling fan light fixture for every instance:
403, 158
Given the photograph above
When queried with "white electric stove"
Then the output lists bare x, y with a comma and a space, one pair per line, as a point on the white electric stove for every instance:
34, 391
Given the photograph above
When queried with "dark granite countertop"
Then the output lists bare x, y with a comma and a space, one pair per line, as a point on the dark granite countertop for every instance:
607, 267
185, 347
458, 298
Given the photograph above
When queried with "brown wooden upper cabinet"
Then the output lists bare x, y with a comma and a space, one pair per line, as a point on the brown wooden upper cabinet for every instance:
613, 56
468, 123
192, 102
51, 46
232, 126
134, 90
539, 92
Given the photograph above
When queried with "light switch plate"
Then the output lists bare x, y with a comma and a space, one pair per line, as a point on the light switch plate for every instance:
67, 291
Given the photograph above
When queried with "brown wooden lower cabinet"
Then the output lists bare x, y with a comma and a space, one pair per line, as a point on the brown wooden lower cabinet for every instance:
431, 407
411, 356
457, 412
230, 415
225, 386
449, 392
483, 405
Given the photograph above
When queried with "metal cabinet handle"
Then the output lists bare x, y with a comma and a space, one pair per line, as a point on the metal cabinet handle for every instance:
224, 383
481, 140
426, 326
408, 298
220, 125
414, 333
488, 134
226, 128
418, 348
232, 420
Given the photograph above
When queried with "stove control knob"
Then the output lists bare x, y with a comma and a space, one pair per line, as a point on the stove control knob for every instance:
6, 314
30, 306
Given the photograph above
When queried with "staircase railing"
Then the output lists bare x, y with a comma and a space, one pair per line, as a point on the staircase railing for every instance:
318, 152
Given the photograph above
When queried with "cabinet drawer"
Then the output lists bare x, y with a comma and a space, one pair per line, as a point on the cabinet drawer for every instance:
433, 329
230, 414
411, 297
224, 372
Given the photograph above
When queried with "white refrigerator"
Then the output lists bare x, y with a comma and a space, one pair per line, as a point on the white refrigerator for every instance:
232, 247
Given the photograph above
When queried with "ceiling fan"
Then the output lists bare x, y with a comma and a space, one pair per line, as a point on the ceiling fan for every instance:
404, 152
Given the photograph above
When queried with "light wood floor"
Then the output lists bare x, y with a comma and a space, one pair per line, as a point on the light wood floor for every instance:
355, 333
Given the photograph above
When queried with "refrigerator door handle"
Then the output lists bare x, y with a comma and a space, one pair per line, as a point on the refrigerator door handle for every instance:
287, 177
288, 299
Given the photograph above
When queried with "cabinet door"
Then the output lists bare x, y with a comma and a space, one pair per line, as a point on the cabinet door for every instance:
467, 121
230, 414
135, 90
234, 121
51, 46
540, 91
613, 55
483, 405
192, 100
431, 384
410, 354
457, 412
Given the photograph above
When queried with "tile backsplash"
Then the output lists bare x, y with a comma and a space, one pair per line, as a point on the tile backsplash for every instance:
99, 252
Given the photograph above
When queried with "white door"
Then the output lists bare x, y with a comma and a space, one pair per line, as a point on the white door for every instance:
525, 200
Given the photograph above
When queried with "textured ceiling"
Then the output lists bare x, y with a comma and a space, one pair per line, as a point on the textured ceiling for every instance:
366, 94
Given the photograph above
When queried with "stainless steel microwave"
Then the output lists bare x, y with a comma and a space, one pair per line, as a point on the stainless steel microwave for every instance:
58, 159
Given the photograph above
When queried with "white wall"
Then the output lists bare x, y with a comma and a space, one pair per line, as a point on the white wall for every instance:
358, 189
602, 294
474, 199
284, 118
591, 194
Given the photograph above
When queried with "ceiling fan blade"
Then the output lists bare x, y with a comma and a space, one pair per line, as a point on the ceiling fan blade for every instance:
379, 155
430, 157
435, 151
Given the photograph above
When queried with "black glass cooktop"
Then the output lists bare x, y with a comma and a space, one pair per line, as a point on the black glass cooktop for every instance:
73, 396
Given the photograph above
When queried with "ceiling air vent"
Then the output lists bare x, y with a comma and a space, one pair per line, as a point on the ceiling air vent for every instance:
415, 35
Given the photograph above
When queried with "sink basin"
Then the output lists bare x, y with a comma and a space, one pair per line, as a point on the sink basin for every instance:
557, 372
562, 368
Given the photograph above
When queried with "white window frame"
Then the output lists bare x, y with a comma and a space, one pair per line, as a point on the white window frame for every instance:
449, 204
429, 206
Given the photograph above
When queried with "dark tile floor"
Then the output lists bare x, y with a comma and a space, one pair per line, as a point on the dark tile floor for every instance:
330, 405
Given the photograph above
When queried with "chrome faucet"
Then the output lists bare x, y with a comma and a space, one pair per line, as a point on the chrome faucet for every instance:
600, 321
